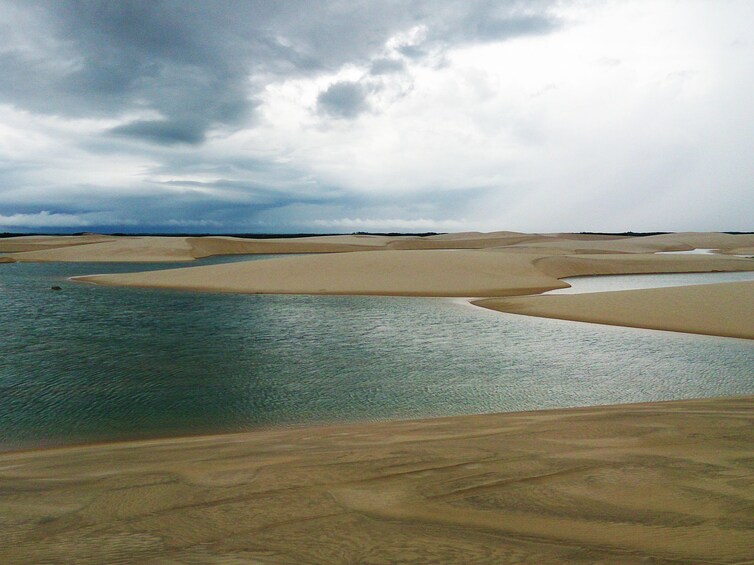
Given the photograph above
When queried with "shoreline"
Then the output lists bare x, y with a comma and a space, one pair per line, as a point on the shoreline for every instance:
544, 486
312, 427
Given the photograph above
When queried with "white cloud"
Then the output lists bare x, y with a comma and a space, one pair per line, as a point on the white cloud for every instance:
564, 140
625, 115
46, 219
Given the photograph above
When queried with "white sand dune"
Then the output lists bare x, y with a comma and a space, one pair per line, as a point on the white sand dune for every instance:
219, 245
40, 242
725, 309
421, 273
141, 249
561, 266
125, 249
409, 273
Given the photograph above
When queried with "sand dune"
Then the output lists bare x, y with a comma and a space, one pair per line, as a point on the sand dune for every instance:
125, 249
468, 242
167, 249
653, 483
649, 244
144, 249
219, 245
408, 273
638, 263
491, 272
725, 309
40, 242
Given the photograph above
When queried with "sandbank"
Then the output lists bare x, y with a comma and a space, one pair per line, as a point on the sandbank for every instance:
491, 272
647, 483
725, 309
400, 273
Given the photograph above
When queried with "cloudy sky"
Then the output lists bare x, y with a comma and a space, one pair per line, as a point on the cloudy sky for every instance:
347, 115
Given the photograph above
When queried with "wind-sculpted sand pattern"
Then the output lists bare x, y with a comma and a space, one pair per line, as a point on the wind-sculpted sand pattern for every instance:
653, 483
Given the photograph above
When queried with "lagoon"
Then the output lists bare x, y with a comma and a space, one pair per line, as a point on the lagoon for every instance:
92, 363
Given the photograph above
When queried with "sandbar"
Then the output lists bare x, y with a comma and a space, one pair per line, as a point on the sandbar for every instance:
724, 309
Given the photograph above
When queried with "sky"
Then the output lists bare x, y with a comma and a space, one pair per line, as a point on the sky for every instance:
337, 116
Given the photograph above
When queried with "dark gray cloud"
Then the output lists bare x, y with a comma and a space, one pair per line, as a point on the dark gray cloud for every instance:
163, 131
200, 61
343, 100
385, 66
173, 74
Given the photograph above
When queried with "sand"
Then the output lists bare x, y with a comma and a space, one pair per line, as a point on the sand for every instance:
173, 249
456, 272
725, 309
95, 247
41, 242
652, 483
406, 273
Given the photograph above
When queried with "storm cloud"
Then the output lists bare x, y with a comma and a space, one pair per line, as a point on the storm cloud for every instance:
315, 115
343, 99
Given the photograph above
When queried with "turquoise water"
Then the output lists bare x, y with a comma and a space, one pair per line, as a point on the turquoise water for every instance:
94, 363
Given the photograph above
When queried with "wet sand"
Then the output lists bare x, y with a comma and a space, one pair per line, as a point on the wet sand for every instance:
650, 483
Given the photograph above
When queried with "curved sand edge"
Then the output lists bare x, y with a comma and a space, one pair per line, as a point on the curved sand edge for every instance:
659, 482
724, 309
398, 273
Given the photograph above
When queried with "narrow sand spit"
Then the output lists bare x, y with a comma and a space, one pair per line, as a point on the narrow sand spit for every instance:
725, 309
652, 483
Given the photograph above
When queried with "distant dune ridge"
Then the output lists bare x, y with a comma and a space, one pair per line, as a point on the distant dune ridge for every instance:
470, 264
92, 247
656, 483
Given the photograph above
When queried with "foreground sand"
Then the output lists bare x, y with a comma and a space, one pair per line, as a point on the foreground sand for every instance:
653, 483
725, 309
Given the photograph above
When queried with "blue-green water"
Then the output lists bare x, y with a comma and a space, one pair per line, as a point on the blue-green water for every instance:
94, 363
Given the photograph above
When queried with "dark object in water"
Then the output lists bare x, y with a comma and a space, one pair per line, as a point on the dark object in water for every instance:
55, 288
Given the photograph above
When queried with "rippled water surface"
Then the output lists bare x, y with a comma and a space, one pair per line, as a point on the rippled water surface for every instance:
94, 363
